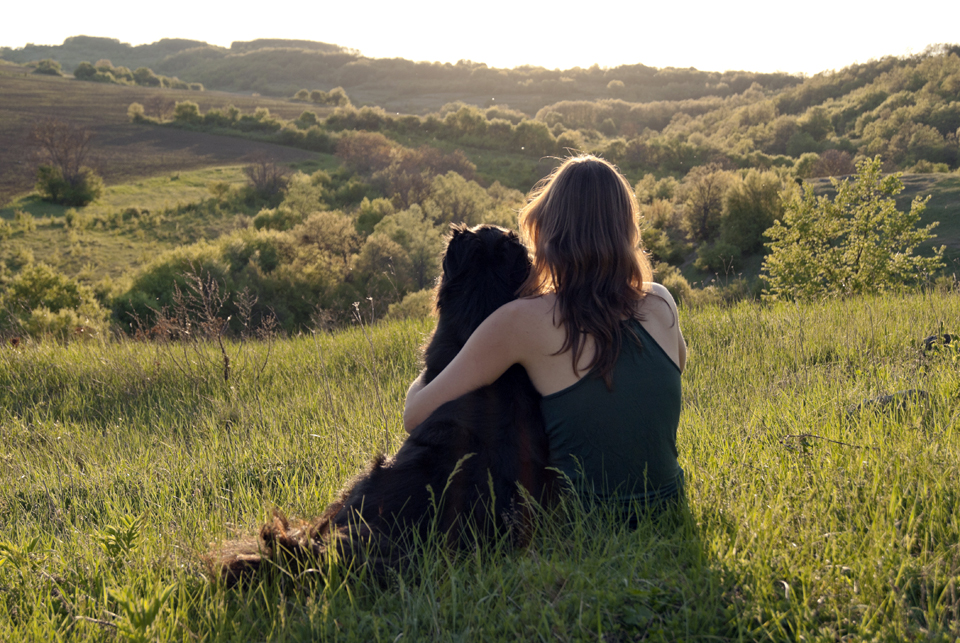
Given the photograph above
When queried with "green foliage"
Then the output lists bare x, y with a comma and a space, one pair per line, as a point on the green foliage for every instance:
135, 113
370, 213
41, 302
661, 231
416, 305
414, 231
84, 71
186, 112
144, 76
22, 558
83, 189
671, 279
139, 613
750, 206
720, 257
48, 67
267, 179
702, 192
279, 218
781, 478
858, 242
119, 541
265, 274
454, 199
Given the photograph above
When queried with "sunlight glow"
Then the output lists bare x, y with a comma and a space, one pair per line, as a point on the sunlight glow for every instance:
747, 34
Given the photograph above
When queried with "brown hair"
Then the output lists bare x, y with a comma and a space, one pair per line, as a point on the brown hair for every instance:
581, 225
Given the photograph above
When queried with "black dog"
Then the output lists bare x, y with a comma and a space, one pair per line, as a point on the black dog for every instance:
457, 473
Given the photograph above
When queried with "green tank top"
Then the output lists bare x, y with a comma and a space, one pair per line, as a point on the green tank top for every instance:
620, 443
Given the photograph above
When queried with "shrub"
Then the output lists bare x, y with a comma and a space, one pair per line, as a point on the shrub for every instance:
45, 302
750, 206
83, 189
63, 177
279, 218
266, 178
48, 67
702, 192
416, 305
858, 242
187, 112
719, 257
84, 71
135, 113
671, 279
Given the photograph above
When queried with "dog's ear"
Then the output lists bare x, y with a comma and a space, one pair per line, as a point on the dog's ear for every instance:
459, 248
515, 258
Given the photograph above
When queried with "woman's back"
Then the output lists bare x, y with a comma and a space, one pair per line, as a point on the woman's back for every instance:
620, 440
539, 336
590, 284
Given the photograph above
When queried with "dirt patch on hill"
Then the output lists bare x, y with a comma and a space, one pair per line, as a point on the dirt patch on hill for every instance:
122, 151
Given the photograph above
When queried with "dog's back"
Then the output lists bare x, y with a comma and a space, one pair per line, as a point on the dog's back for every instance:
458, 472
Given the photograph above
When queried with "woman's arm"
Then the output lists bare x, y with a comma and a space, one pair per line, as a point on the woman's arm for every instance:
496, 345
663, 321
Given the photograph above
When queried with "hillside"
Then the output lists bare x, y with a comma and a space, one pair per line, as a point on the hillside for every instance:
338, 232
282, 67
808, 517
123, 151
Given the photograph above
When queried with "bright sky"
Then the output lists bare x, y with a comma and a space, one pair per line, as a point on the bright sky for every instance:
715, 35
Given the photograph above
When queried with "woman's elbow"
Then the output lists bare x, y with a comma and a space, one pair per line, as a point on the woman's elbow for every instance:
408, 424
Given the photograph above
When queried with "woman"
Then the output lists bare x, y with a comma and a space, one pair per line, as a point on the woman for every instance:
600, 341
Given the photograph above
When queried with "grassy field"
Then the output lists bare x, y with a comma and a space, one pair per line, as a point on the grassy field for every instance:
122, 151
107, 244
807, 517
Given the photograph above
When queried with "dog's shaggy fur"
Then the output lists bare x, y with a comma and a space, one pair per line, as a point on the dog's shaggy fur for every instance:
457, 474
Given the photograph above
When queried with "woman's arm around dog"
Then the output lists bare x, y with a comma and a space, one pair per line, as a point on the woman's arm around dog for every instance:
527, 332
513, 334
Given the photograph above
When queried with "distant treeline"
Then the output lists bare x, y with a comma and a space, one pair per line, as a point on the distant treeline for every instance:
104, 72
281, 67
906, 110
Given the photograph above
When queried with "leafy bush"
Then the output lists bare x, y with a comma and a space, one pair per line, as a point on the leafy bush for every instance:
671, 279
136, 113
85, 188
187, 112
416, 305
42, 302
750, 206
48, 67
719, 257
858, 242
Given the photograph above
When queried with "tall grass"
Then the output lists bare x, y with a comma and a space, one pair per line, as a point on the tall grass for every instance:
807, 517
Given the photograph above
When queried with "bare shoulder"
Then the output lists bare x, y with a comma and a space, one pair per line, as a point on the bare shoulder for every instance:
658, 315
659, 305
528, 311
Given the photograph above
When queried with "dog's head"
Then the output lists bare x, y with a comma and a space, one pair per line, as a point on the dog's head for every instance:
483, 267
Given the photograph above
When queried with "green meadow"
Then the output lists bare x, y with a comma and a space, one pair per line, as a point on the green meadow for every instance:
815, 510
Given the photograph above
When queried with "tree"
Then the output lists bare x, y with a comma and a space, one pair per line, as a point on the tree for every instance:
41, 301
84, 71
62, 175
415, 233
454, 199
145, 76
48, 67
858, 242
750, 207
702, 191
833, 163
267, 179
187, 112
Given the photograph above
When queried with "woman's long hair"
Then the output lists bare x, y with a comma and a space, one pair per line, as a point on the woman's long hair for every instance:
581, 225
